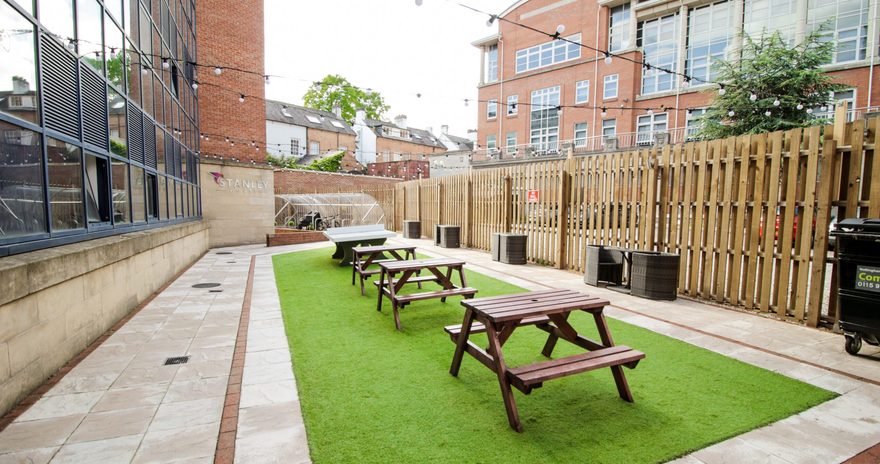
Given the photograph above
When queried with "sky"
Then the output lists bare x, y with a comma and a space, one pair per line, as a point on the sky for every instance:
391, 46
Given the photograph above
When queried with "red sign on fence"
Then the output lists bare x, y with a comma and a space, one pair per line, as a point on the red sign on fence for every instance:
533, 196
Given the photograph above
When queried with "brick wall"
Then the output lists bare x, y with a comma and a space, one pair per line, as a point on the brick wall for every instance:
297, 181
329, 140
389, 145
294, 237
230, 33
408, 170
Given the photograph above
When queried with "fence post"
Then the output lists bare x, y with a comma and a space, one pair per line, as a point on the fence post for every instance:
418, 201
440, 201
508, 203
467, 211
562, 212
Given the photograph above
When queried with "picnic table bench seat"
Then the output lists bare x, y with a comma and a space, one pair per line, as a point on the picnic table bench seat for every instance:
366, 256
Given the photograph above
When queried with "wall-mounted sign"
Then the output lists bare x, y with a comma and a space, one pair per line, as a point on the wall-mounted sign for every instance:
532, 196
236, 184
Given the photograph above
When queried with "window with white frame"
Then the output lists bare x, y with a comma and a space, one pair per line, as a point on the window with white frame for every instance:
491, 143
492, 63
581, 92
694, 122
544, 121
609, 88
618, 28
827, 111
846, 23
648, 125
764, 17
609, 128
492, 109
710, 30
511, 143
314, 148
659, 41
548, 53
512, 105
294, 147
580, 134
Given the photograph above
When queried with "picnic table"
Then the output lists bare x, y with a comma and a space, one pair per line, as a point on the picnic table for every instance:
440, 270
548, 310
347, 238
364, 257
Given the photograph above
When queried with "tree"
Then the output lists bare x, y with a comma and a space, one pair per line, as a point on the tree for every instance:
336, 90
785, 81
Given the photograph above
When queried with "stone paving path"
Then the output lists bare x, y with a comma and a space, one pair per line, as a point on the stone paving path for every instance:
122, 404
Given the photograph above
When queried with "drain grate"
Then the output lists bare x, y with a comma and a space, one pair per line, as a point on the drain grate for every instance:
215, 291
206, 285
224, 253
176, 360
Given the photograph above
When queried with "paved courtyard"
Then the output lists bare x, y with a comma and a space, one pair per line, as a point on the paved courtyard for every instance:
235, 397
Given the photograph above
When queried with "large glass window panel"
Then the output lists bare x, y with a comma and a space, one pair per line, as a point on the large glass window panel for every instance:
844, 22
709, 33
512, 104
492, 63
89, 16
113, 40
115, 8
658, 41
65, 185
181, 198
152, 199
159, 99
131, 73
118, 127
57, 17
764, 17
648, 125
21, 182
145, 32
548, 53
491, 109
160, 150
162, 196
98, 207
18, 81
28, 5
130, 23
121, 193
544, 121
582, 92
138, 200
580, 134
618, 28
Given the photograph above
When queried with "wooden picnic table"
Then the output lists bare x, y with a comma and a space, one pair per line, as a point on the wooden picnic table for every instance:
364, 257
548, 310
440, 270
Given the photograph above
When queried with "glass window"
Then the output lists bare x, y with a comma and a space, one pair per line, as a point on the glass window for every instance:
512, 105
18, 81
28, 5
764, 17
180, 199
548, 53
609, 127
65, 185
118, 128
89, 17
115, 8
97, 191
152, 197
581, 92
145, 32
618, 28
21, 181
121, 193
294, 147
130, 23
130, 73
492, 63
648, 125
314, 148
492, 109
544, 121
511, 143
709, 33
138, 201
694, 122
658, 39
580, 134
57, 17
609, 89
114, 39
162, 197
845, 23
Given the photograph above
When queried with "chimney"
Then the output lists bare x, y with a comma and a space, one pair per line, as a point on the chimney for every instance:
360, 117
472, 135
444, 129
337, 111
430, 130
400, 121
20, 86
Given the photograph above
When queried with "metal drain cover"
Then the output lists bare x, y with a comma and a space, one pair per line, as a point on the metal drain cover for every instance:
215, 291
206, 285
224, 253
176, 360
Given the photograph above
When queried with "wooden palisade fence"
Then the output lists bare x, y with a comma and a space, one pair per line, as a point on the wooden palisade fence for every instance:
716, 203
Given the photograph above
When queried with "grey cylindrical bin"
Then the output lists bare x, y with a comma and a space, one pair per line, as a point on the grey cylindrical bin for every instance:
654, 275
412, 229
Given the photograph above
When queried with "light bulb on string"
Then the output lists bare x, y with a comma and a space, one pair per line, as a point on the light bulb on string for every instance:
753, 97
465, 102
419, 2
721, 90
559, 30
604, 112
266, 78
490, 20
241, 98
809, 111
800, 106
145, 70
776, 102
731, 113
686, 82
71, 44
823, 108
650, 111
607, 58
767, 113
195, 86
112, 53
165, 63
218, 71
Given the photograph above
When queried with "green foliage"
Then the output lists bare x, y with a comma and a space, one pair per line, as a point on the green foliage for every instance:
772, 70
118, 148
336, 90
328, 164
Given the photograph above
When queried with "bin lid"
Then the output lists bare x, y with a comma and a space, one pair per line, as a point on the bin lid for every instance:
849, 225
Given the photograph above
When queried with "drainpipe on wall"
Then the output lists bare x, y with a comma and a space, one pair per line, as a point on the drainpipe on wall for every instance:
596, 74
501, 95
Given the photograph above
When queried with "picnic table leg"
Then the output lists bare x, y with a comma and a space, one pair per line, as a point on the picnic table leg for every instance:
354, 269
617, 371
338, 253
552, 338
503, 382
461, 343
448, 283
381, 289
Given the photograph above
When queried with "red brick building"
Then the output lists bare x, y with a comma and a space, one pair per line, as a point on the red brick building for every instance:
526, 75
404, 169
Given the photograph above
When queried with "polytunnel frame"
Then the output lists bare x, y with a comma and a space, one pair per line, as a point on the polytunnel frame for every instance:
330, 205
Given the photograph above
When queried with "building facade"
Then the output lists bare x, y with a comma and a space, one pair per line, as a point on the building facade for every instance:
525, 75
384, 141
305, 133
98, 119
408, 169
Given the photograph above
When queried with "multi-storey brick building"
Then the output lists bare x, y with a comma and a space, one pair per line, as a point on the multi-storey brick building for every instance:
307, 134
383, 141
526, 75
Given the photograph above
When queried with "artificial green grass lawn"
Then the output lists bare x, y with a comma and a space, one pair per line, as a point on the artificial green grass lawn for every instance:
372, 394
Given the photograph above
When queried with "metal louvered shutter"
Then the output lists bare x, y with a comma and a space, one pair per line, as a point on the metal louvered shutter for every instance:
149, 144
59, 88
94, 108
135, 135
